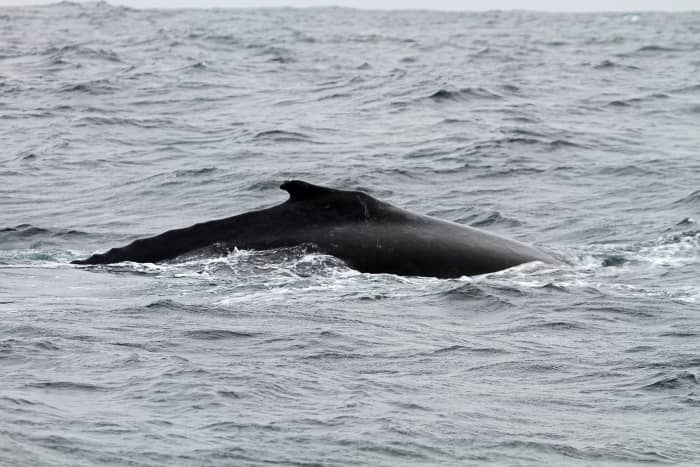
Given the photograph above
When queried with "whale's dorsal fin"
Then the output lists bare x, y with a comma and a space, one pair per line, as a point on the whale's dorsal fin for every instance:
299, 191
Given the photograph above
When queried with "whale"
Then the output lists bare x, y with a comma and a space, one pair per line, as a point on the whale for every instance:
367, 234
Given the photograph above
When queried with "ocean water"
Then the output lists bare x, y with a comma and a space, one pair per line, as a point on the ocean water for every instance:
579, 133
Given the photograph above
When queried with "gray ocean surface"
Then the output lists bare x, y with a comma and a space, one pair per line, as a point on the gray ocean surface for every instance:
578, 133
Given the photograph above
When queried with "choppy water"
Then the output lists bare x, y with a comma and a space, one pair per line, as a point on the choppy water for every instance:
578, 133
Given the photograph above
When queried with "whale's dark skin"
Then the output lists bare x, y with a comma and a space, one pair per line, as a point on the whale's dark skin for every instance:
369, 235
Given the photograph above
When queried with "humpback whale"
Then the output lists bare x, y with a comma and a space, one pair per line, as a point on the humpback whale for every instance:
369, 235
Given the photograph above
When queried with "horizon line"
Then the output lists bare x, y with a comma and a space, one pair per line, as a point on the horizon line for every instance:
330, 5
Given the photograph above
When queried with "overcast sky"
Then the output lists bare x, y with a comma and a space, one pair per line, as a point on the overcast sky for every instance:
549, 5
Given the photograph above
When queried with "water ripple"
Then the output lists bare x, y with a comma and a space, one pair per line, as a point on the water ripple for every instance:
577, 133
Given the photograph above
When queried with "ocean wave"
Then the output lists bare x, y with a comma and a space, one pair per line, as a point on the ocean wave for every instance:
516, 139
488, 218
469, 349
609, 64
486, 297
691, 199
25, 235
66, 386
64, 54
273, 54
218, 334
282, 136
97, 87
145, 123
464, 94
681, 380
656, 48
631, 170
691, 89
552, 325
630, 101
